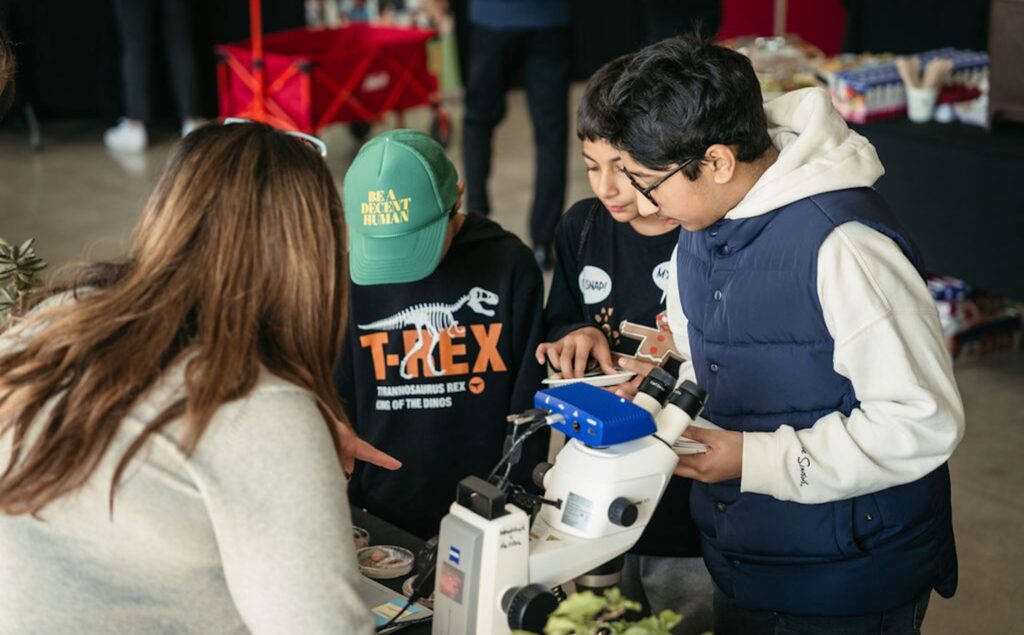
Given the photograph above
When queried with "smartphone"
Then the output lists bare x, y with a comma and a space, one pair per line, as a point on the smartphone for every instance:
595, 378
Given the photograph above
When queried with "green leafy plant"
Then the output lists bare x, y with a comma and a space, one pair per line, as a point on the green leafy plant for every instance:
587, 613
19, 273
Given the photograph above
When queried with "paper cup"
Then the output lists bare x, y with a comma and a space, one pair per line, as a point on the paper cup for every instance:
921, 103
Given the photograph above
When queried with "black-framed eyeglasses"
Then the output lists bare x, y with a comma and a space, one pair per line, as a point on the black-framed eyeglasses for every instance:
646, 191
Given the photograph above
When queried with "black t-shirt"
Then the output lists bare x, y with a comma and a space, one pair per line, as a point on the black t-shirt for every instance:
441, 408
607, 273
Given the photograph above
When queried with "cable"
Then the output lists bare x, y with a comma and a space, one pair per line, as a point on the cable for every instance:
416, 595
426, 565
548, 420
418, 590
508, 465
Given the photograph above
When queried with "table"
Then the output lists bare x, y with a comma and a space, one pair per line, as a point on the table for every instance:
959, 192
384, 533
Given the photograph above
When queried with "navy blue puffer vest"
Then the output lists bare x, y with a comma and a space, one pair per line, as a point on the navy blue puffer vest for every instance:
761, 348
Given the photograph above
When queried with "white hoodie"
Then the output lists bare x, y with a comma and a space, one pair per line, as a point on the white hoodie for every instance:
888, 341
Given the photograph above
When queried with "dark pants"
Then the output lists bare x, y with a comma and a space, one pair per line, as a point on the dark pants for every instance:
730, 619
137, 20
497, 58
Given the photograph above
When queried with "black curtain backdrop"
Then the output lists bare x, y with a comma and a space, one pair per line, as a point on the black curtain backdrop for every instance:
912, 26
68, 51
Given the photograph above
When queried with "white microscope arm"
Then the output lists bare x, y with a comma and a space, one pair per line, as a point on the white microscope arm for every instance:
559, 558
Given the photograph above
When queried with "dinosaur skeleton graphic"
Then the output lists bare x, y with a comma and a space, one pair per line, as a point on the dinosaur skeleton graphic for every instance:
434, 318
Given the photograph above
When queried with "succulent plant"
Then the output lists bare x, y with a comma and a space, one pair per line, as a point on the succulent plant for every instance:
589, 614
19, 273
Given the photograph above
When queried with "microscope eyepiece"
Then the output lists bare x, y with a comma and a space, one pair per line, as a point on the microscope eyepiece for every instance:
689, 397
658, 384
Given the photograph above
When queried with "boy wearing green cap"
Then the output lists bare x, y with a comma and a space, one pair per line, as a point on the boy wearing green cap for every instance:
445, 313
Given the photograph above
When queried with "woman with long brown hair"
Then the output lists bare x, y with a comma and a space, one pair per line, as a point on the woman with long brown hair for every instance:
171, 445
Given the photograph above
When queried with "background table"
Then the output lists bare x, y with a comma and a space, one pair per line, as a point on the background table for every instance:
959, 191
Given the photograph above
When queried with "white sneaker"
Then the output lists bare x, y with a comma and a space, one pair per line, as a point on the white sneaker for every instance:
190, 124
133, 163
126, 136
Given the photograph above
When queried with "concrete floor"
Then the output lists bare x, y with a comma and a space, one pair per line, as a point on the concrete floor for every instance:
80, 203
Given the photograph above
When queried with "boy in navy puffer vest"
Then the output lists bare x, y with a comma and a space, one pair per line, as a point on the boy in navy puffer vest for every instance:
824, 504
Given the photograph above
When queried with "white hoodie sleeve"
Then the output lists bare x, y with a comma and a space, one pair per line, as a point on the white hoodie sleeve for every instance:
677, 322
889, 344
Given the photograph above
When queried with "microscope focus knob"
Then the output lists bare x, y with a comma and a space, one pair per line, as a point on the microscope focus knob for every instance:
529, 607
538, 473
622, 512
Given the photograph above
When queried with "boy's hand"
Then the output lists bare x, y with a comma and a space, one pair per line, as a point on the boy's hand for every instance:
629, 389
569, 355
722, 461
355, 449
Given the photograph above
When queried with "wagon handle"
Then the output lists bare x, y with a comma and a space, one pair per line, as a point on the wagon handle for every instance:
256, 37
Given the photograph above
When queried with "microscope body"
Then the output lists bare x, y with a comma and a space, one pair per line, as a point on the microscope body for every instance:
495, 568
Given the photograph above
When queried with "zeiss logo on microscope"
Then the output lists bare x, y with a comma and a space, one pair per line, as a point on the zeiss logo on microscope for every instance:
454, 554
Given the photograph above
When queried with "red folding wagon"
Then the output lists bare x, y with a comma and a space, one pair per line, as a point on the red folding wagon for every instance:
305, 79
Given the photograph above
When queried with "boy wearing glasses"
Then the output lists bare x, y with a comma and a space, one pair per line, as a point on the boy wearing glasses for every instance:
612, 266
824, 504
444, 317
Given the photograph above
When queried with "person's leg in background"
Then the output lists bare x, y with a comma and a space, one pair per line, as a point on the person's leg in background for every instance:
631, 584
136, 22
181, 53
546, 78
682, 585
485, 108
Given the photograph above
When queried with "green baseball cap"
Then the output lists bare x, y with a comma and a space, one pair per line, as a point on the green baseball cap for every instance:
398, 193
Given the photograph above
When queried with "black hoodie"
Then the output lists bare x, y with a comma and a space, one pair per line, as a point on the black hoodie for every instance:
445, 422
607, 273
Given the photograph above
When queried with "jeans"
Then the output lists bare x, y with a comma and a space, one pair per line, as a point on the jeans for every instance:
731, 619
137, 20
497, 58
682, 585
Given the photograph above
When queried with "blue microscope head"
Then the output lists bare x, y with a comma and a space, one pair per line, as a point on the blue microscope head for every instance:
595, 416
